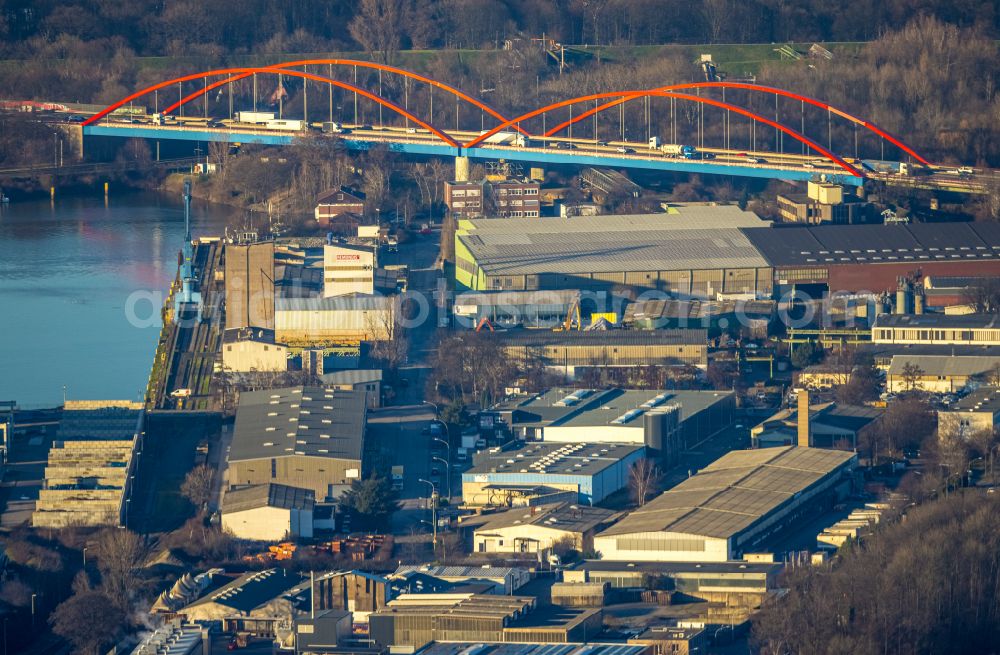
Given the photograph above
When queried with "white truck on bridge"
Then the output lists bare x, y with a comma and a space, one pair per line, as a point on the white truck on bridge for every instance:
257, 117
506, 139
678, 150
281, 124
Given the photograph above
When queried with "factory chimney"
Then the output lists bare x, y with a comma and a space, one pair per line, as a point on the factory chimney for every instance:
803, 420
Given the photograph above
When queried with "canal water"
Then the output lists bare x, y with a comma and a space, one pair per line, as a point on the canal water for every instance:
81, 283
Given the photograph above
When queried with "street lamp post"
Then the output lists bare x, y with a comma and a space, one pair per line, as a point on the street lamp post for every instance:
433, 500
447, 471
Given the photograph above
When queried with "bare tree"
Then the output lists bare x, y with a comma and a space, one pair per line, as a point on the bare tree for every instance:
378, 27
197, 486
88, 620
911, 375
644, 480
120, 556
984, 296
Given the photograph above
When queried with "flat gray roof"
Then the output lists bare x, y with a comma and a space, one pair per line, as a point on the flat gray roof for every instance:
699, 237
945, 365
553, 458
913, 244
733, 492
986, 399
570, 517
311, 421
567, 407
359, 302
736, 567
609, 338
268, 495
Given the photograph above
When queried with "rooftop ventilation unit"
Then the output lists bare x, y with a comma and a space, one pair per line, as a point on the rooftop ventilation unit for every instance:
573, 398
654, 401
627, 416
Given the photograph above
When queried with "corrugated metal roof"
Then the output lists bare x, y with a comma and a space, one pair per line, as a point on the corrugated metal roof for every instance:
570, 517
336, 303
596, 244
827, 245
552, 458
268, 495
609, 338
601, 407
352, 376
733, 492
311, 421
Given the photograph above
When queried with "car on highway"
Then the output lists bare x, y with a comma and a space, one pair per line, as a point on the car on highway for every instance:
623, 150
754, 160
215, 124
180, 393
75, 118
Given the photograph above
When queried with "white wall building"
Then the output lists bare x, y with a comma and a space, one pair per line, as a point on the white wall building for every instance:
348, 269
269, 512
252, 349
729, 506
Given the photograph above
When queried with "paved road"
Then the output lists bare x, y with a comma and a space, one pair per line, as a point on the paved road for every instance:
396, 433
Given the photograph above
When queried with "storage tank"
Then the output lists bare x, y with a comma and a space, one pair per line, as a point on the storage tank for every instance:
659, 426
904, 295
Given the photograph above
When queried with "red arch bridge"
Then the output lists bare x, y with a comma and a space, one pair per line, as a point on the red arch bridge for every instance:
758, 131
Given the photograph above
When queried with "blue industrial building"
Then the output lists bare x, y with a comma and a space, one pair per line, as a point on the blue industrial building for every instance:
549, 472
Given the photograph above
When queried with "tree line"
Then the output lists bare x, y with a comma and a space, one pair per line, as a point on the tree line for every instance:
926, 584
206, 26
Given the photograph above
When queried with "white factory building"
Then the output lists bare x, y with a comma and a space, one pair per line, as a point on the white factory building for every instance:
731, 506
348, 269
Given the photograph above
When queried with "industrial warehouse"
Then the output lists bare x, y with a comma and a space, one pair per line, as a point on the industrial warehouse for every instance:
699, 252
549, 472
730, 506
707, 252
664, 421
574, 352
305, 437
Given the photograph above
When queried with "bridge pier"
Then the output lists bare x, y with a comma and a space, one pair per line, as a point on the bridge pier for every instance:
461, 169
74, 139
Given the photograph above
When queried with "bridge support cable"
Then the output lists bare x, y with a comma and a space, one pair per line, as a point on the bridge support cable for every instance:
292, 73
680, 96
761, 89
802, 111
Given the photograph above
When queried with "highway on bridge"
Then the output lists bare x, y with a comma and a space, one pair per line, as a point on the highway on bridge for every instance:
553, 150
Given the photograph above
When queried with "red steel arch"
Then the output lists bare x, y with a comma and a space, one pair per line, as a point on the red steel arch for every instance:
294, 73
361, 64
681, 96
751, 87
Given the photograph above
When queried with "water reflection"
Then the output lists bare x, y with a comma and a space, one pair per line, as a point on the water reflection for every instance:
66, 271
